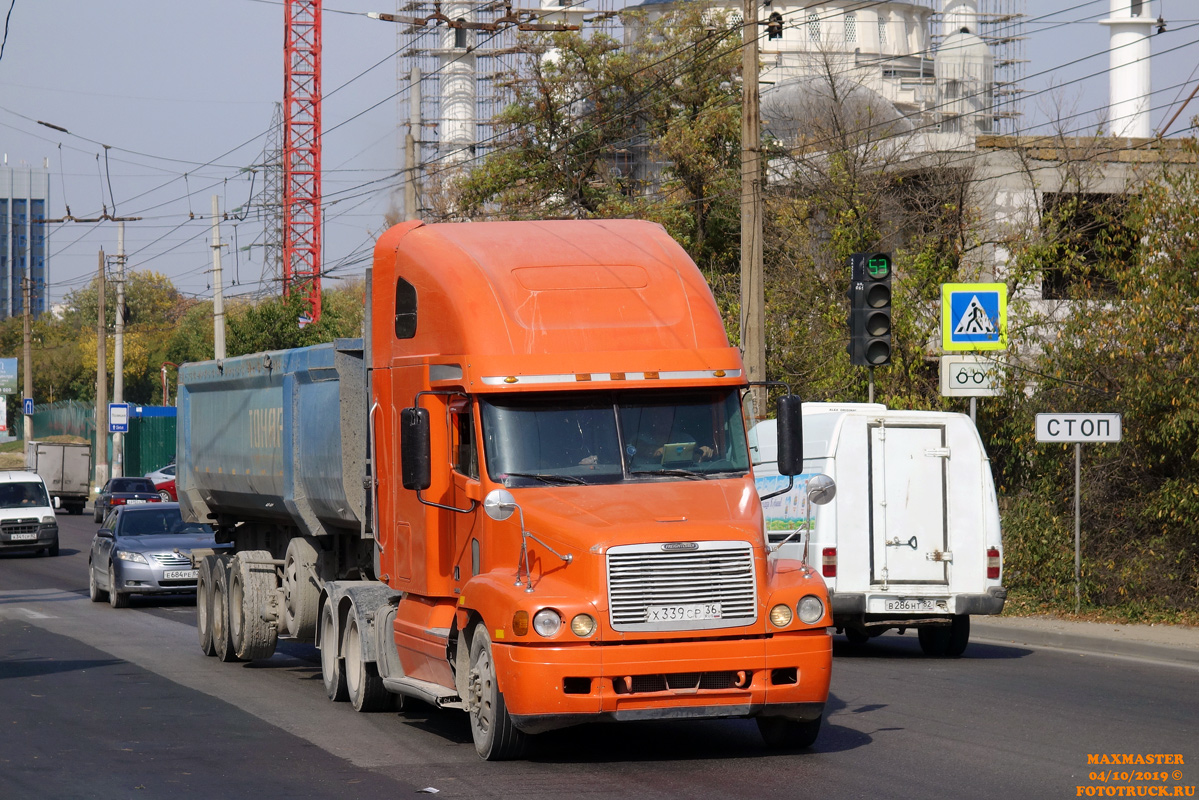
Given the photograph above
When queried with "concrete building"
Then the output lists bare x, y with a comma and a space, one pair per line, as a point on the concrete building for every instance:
24, 245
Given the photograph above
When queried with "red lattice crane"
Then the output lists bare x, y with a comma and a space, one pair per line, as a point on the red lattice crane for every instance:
302, 151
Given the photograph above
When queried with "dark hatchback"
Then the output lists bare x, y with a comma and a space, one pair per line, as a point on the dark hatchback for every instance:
125, 492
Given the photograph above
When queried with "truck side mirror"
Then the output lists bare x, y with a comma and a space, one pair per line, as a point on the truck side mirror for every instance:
415, 451
790, 435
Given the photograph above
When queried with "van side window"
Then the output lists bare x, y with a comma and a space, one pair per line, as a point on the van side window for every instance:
466, 454
405, 309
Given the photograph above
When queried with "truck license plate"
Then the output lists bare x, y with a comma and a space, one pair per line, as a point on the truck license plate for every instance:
24, 537
688, 612
180, 574
911, 604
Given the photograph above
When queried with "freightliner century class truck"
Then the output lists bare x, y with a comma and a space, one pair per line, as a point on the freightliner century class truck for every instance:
526, 494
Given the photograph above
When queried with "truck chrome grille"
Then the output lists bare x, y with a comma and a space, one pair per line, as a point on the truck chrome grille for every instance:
664, 575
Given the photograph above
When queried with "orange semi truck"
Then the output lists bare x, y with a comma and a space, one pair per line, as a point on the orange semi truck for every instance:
526, 493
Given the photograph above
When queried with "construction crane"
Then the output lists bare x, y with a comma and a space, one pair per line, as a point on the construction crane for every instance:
302, 152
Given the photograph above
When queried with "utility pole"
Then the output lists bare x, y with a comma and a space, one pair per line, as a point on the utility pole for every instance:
218, 298
26, 285
411, 211
118, 354
753, 292
101, 387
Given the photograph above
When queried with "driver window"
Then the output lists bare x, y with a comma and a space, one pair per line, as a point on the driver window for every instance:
466, 454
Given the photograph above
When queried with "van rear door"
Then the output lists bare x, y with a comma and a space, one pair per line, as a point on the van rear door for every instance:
907, 499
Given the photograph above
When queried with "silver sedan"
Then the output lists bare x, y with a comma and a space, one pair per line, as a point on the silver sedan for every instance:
145, 550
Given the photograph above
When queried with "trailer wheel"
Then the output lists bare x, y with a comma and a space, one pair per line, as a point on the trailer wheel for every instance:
781, 733
934, 640
251, 581
959, 635
301, 594
363, 684
496, 737
204, 605
332, 668
221, 642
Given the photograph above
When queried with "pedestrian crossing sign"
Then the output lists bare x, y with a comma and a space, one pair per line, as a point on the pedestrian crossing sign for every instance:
973, 316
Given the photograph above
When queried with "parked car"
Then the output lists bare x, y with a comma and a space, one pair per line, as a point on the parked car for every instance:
27, 522
160, 475
166, 490
125, 491
145, 549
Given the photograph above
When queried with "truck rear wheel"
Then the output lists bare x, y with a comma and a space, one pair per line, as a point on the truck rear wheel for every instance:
934, 640
251, 581
301, 594
781, 733
363, 684
496, 737
959, 635
204, 605
332, 668
221, 643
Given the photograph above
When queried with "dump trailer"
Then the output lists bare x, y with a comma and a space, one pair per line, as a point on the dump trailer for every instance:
66, 467
525, 494
913, 538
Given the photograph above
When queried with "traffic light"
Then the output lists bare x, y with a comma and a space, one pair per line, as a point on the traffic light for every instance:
870, 309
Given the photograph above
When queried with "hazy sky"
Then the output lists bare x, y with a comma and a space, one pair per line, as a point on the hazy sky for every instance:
183, 95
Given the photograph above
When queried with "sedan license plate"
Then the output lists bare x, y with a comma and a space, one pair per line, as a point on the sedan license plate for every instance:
911, 604
134, 502
24, 537
683, 613
180, 574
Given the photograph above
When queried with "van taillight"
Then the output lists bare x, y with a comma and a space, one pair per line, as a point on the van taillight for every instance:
993, 563
828, 562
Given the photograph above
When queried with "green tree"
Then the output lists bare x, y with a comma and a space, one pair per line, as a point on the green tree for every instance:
274, 324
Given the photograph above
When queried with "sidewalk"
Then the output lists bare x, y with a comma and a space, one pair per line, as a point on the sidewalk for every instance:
1176, 643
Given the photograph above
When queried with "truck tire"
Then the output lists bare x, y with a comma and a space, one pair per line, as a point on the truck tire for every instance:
959, 635
781, 733
363, 684
221, 643
204, 605
332, 668
115, 599
496, 737
251, 582
934, 640
856, 636
301, 594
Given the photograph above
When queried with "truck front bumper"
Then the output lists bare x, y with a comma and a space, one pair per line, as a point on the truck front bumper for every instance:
784, 675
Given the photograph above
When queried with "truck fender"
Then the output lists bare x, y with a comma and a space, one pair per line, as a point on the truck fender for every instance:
366, 600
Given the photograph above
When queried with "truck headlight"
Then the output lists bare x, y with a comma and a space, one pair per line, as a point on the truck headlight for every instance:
583, 625
810, 609
137, 558
547, 622
780, 615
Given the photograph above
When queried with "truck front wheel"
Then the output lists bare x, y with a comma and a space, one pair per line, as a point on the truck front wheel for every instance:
496, 737
781, 733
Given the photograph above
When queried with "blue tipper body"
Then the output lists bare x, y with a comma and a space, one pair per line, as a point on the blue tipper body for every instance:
276, 437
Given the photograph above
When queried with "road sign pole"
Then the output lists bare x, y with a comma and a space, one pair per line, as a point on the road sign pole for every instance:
1077, 527
974, 410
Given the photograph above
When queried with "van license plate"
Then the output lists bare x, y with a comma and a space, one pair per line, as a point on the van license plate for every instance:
911, 604
683, 613
24, 537
180, 574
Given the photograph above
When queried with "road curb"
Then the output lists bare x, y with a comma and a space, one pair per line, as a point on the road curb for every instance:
1086, 642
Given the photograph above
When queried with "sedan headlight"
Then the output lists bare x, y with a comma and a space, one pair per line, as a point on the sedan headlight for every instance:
137, 558
810, 609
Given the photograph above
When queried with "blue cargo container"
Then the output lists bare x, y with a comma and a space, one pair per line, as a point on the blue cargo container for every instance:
247, 424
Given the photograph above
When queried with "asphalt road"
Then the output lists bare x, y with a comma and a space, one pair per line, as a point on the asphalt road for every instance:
105, 703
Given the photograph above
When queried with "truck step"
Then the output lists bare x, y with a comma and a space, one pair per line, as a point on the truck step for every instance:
433, 693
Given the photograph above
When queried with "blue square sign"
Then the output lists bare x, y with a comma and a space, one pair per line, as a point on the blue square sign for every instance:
27, 406
973, 316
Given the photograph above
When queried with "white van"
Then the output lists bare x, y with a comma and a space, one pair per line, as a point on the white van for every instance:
912, 538
27, 521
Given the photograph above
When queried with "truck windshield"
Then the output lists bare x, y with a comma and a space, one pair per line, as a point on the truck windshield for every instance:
18, 495
606, 438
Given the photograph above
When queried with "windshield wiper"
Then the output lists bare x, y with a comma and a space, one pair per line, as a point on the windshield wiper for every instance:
684, 473
547, 478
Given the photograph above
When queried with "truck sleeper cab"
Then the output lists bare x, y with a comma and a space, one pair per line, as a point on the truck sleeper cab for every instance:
549, 515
